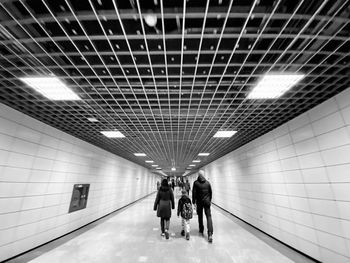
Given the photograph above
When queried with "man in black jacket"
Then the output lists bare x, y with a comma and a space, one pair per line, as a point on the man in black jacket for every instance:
201, 196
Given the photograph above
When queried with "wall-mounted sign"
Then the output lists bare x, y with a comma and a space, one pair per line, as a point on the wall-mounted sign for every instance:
79, 197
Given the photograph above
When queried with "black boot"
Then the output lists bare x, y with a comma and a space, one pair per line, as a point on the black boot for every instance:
210, 237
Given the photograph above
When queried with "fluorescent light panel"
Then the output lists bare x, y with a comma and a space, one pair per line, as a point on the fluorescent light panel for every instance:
272, 86
224, 134
196, 161
158, 168
173, 169
154, 165
113, 134
140, 154
92, 119
203, 154
192, 165
51, 87
149, 161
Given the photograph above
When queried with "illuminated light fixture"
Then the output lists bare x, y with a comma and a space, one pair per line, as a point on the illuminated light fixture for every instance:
224, 134
196, 161
150, 19
92, 119
149, 161
51, 87
140, 154
155, 165
193, 165
173, 169
158, 168
203, 154
113, 134
272, 86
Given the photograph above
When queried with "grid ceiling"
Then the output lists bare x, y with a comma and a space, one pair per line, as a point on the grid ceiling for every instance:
171, 87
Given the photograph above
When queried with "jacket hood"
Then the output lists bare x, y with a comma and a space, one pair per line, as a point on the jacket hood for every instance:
201, 178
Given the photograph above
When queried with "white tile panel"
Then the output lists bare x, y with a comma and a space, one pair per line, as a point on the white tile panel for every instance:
312, 160
336, 156
333, 139
302, 133
329, 123
324, 109
298, 122
343, 99
346, 115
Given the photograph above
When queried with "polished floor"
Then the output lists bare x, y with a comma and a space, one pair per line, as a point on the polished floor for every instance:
133, 235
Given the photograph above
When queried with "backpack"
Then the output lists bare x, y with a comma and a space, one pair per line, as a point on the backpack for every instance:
187, 211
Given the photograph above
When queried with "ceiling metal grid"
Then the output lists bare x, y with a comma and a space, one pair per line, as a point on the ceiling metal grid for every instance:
168, 88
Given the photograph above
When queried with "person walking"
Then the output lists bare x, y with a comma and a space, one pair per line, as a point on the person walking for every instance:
163, 204
184, 208
201, 197
187, 186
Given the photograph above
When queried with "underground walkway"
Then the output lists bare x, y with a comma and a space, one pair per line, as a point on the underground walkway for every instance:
133, 235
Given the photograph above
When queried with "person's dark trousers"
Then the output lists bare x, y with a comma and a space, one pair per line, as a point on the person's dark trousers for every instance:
207, 212
164, 224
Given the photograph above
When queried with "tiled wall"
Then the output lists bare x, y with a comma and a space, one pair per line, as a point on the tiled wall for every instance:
294, 182
39, 166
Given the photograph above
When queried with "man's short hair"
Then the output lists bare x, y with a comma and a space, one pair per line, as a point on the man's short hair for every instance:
201, 172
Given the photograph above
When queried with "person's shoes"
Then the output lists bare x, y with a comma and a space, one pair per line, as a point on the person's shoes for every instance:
182, 232
162, 234
201, 233
166, 234
188, 236
210, 238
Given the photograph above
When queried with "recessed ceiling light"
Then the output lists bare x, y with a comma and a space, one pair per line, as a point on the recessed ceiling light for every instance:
203, 154
51, 87
196, 161
150, 19
92, 119
139, 154
193, 165
173, 169
154, 165
274, 85
158, 168
224, 134
149, 161
113, 134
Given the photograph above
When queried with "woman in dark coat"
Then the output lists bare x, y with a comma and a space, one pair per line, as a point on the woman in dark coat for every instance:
163, 204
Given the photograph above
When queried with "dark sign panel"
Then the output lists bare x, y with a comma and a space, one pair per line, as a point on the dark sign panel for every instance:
79, 197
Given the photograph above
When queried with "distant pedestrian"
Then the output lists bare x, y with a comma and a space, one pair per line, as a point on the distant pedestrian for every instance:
201, 196
187, 186
163, 204
172, 184
184, 208
158, 185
